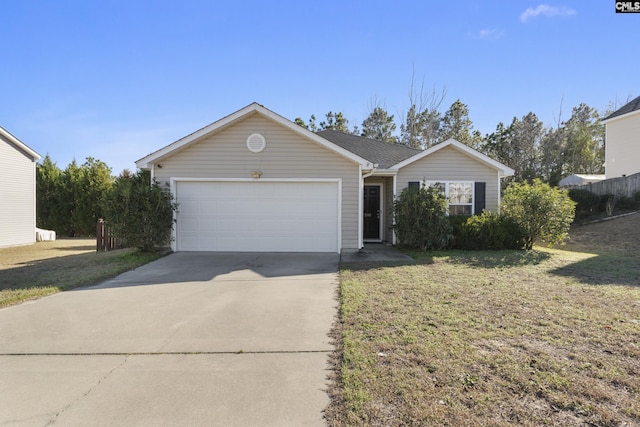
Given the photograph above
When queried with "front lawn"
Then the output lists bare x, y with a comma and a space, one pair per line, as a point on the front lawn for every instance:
44, 268
545, 337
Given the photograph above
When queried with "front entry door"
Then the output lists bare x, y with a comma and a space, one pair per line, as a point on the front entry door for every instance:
371, 220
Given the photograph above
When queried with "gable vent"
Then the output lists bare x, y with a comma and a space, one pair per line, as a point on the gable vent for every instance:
256, 143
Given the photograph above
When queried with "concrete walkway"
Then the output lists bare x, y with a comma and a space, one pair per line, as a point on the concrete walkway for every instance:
191, 339
375, 252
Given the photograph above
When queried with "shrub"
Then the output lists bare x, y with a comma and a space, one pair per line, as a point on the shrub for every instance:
542, 212
421, 219
587, 202
140, 212
488, 231
459, 236
608, 203
628, 203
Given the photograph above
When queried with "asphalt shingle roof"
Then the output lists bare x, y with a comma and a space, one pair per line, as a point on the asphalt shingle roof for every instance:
634, 105
385, 154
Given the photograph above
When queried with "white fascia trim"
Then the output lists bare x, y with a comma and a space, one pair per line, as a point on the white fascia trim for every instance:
622, 116
145, 162
503, 170
385, 172
21, 145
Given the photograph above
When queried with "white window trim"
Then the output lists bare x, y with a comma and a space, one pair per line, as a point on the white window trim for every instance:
432, 182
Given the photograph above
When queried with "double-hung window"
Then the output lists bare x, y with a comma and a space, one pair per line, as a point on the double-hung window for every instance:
459, 195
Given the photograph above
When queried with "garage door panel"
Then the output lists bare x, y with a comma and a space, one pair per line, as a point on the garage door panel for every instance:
257, 216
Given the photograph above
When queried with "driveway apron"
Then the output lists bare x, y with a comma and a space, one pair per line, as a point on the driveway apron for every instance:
233, 339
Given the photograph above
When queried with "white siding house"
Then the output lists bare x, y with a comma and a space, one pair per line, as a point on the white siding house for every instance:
622, 149
17, 191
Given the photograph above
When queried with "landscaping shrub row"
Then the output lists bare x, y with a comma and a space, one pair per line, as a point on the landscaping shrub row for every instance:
487, 231
529, 213
590, 204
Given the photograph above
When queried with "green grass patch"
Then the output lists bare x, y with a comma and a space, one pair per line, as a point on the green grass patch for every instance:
543, 337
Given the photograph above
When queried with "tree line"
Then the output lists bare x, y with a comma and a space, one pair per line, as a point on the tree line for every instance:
72, 200
531, 148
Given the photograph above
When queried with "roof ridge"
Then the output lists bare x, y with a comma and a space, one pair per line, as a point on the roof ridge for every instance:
394, 144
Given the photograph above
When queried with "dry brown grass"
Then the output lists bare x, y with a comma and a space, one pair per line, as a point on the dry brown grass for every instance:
31, 254
547, 337
33, 271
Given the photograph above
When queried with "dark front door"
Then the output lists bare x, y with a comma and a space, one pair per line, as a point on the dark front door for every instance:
371, 221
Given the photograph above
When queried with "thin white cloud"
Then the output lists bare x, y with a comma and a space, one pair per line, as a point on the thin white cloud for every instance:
491, 34
546, 10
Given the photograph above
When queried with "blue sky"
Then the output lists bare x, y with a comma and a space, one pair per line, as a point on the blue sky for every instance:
116, 80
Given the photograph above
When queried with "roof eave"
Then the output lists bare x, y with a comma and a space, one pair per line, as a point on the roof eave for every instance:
621, 116
21, 145
385, 172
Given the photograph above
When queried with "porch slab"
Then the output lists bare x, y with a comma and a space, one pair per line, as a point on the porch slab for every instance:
375, 252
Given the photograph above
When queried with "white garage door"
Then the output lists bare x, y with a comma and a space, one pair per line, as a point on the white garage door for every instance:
257, 216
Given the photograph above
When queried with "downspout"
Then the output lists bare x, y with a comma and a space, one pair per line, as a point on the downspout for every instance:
367, 175
393, 233
360, 206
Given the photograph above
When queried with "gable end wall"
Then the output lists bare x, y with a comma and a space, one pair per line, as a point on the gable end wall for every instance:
622, 150
287, 155
450, 164
17, 196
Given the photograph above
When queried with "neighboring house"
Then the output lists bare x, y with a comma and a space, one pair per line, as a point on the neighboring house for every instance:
17, 191
580, 179
255, 181
622, 142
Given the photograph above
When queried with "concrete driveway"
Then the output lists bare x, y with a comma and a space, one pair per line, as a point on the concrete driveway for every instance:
191, 339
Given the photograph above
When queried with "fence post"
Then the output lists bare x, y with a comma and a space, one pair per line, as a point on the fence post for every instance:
100, 236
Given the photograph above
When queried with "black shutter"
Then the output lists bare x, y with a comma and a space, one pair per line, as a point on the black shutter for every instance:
414, 185
480, 201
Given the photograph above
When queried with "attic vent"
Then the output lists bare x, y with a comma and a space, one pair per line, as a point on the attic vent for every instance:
256, 143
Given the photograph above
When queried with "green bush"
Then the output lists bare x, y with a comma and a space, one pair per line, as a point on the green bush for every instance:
587, 202
140, 212
459, 237
421, 219
542, 212
487, 231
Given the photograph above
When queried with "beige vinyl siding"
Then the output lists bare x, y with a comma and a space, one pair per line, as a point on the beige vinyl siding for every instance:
450, 164
287, 155
17, 196
622, 150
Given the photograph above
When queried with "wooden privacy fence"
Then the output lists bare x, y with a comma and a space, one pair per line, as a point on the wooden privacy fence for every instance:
622, 186
105, 241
